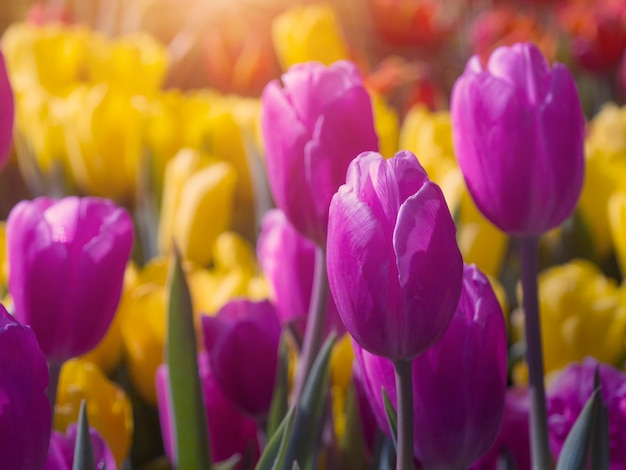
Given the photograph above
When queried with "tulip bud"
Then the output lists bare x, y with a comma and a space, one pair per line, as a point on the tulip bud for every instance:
242, 343
518, 131
394, 267
288, 262
312, 128
567, 394
458, 385
230, 432
25, 418
67, 259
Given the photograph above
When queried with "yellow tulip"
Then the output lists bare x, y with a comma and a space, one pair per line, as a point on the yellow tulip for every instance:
386, 124
143, 326
103, 134
341, 360
108, 408
617, 222
51, 56
604, 173
197, 204
308, 33
582, 314
135, 63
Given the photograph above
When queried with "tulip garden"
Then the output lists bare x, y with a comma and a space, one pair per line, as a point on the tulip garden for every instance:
360, 234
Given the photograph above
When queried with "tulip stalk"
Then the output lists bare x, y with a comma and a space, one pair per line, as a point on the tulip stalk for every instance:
529, 253
404, 394
315, 322
54, 372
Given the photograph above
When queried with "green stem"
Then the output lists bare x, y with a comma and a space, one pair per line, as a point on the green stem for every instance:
529, 253
404, 394
54, 372
315, 322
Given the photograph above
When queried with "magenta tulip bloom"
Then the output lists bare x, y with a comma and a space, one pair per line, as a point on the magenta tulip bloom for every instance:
514, 438
25, 416
458, 385
394, 266
230, 432
518, 131
569, 391
288, 263
67, 259
313, 126
242, 344
7, 114
61, 450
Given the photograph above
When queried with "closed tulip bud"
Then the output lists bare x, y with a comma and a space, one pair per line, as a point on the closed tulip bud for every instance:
458, 385
288, 262
567, 394
230, 432
394, 267
583, 313
242, 343
25, 418
67, 259
308, 33
313, 126
61, 450
197, 204
518, 131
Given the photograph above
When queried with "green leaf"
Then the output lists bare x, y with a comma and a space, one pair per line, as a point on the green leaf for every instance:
83, 451
392, 417
279, 405
310, 410
575, 452
274, 454
228, 464
191, 436
600, 435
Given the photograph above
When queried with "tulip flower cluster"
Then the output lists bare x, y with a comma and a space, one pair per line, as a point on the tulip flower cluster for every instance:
401, 244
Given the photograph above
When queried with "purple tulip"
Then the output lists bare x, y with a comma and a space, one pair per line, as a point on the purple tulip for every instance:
7, 113
513, 441
288, 263
313, 126
567, 394
242, 343
61, 451
394, 266
230, 432
25, 416
458, 385
67, 259
518, 131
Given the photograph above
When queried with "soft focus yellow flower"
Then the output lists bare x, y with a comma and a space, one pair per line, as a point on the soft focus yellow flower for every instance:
582, 314
135, 63
429, 136
143, 325
386, 124
103, 135
108, 408
341, 360
197, 204
4, 263
605, 172
51, 56
308, 33
617, 222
